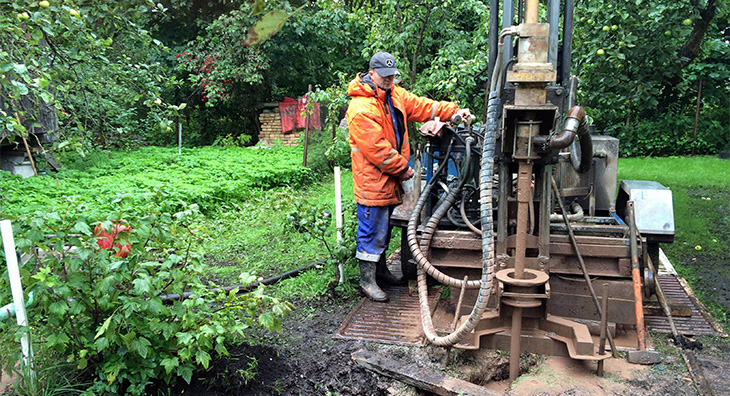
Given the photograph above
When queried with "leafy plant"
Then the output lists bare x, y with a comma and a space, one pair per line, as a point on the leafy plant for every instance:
250, 372
84, 69
231, 141
116, 317
313, 221
651, 102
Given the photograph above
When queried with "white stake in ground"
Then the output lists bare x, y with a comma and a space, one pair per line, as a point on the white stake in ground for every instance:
16, 287
338, 217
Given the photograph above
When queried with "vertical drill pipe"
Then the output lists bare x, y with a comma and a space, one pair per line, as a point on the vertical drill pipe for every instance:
524, 195
604, 320
636, 278
564, 72
531, 11
604, 329
580, 261
553, 15
514, 346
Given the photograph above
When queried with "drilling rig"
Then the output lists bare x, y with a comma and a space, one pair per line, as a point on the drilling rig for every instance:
519, 215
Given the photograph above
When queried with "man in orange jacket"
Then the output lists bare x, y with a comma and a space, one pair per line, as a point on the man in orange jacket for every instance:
376, 119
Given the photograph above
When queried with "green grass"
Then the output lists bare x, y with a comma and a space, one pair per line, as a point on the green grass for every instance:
127, 181
254, 237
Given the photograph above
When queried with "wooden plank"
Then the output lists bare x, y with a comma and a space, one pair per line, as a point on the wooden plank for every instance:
465, 240
420, 377
590, 240
590, 250
696, 373
652, 308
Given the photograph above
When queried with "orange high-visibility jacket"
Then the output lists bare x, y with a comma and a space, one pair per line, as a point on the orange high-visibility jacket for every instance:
376, 160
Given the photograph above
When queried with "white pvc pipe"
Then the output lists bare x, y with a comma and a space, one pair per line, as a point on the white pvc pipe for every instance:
338, 217
16, 287
179, 138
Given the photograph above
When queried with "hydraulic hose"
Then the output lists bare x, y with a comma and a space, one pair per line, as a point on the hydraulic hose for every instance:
466, 174
485, 284
443, 207
496, 81
420, 251
462, 211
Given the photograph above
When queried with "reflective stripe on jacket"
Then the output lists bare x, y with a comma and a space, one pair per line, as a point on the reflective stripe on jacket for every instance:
376, 161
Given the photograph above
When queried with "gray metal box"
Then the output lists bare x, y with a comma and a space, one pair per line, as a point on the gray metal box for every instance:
599, 182
653, 207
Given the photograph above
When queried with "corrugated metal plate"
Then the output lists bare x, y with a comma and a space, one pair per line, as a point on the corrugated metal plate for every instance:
396, 322
679, 293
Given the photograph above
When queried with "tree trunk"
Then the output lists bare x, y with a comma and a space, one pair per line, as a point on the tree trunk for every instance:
689, 51
414, 58
691, 48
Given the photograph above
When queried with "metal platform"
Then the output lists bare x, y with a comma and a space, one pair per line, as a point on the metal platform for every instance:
399, 320
396, 322
700, 322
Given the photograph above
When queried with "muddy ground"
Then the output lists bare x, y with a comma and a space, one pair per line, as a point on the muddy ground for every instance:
307, 360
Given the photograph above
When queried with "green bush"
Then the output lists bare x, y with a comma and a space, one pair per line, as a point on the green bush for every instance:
106, 314
671, 135
324, 152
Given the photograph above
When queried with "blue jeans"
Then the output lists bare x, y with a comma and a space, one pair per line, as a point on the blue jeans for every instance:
373, 231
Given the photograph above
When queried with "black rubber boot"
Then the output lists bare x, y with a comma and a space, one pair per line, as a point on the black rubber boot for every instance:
367, 282
384, 276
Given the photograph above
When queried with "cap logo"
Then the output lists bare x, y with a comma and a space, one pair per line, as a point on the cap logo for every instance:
389, 62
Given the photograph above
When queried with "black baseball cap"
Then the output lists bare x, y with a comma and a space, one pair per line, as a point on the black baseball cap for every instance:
384, 64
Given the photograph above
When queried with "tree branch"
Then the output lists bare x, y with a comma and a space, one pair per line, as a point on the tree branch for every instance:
691, 48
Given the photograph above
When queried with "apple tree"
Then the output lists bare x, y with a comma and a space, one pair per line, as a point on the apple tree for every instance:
640, 63
92, 63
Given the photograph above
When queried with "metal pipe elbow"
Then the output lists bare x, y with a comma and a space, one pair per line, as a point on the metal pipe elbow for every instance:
574, 120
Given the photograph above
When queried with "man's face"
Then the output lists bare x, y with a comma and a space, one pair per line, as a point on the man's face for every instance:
385, 83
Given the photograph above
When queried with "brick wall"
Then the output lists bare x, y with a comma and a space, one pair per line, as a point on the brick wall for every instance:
271, 129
